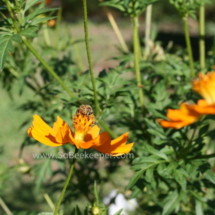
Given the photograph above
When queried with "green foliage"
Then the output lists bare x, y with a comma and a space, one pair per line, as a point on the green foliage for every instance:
188, 7
133, 8
6, 46
28, 25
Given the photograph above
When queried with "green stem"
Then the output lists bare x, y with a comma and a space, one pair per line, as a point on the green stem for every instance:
136, 60
50, 70
12, 15
96, 193
17, 4
66, 184
3, 16
189, 49
89, 56
5, 208
202, 37
18, 14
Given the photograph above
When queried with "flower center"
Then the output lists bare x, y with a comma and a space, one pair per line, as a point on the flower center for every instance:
82, 124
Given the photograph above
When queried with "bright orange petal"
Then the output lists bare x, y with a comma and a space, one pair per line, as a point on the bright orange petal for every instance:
56, 136
186, 115
64, 133
102, 140
203, 107
41, 138
118, 145
202, 103
120, 140
93, 133
57, 124
41, 126
172, 124
122, 150
115, 147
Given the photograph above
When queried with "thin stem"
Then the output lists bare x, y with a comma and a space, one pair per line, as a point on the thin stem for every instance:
148, 30
116, 30
18, 14
66, 184
202, 37
89, 56
136, 60
5, 208
49, 201
12, 15
17, 4
96, 193
3, 16
189, 49
49, 69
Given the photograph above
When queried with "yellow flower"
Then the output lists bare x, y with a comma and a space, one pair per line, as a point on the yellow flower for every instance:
85, 136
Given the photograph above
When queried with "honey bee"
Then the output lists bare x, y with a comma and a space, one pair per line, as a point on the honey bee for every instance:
85, 110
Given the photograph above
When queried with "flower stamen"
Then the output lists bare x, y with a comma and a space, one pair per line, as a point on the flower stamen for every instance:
82, 124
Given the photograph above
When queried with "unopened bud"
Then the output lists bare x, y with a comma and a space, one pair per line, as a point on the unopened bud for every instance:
95, 211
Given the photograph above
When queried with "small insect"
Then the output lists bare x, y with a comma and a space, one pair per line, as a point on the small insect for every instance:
85, 110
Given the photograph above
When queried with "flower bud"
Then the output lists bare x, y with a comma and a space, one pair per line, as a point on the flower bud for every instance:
95, 210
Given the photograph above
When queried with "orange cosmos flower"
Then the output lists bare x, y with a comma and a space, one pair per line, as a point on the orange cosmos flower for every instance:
84, 137
205, 86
